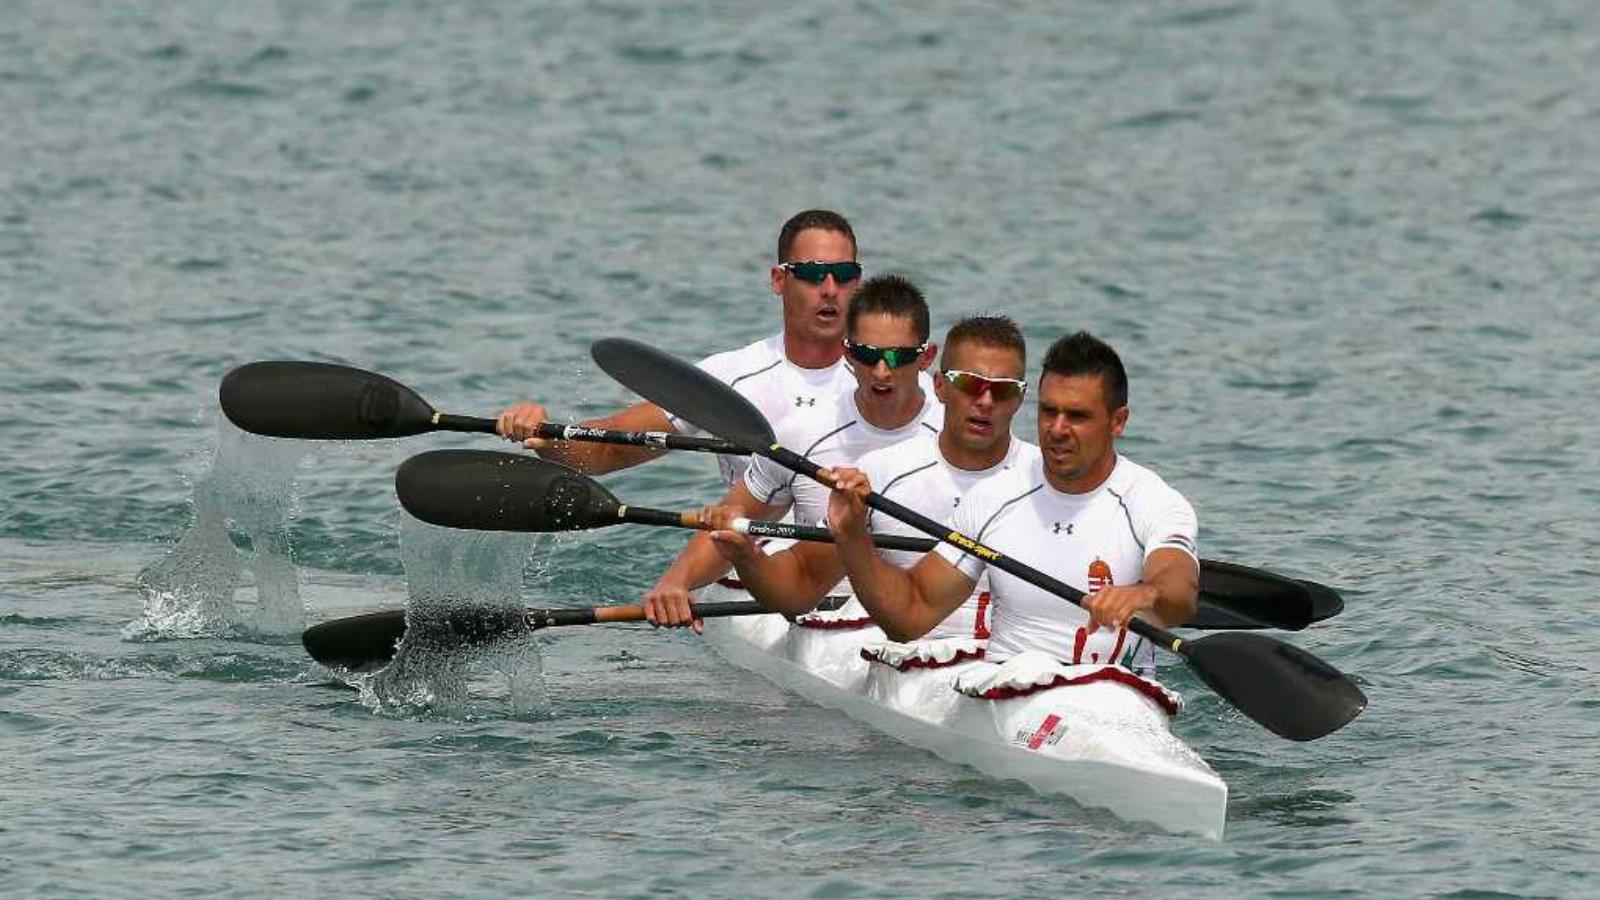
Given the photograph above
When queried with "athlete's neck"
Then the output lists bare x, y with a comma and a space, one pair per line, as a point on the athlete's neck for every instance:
972, 460
811, 354
1085, 483
887, 414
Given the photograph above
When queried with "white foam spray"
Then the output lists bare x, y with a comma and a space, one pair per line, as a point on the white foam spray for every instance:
232, 572
447, 571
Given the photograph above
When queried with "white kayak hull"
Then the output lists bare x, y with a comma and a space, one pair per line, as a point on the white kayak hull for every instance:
1103, 743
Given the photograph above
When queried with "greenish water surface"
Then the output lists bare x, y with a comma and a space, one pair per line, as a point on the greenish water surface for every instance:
1350, 252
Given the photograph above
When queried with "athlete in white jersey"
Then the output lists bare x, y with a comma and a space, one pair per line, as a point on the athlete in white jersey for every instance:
981, 387
1085, 516
916, 475
781, 390
839, 435
815, 275
887, 349
1091, 541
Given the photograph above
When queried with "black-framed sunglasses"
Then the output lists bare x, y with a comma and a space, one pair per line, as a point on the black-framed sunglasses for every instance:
816, 271
896, 357
973, 385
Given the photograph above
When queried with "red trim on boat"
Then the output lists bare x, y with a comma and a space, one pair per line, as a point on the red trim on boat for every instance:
918, 663
1109, 673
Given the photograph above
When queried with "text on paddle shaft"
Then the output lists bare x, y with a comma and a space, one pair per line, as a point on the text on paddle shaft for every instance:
971, 546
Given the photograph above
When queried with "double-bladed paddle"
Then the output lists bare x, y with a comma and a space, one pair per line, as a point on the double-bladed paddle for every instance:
492, 491
367, 641
487, 490
329, 402
1287, 690
326, 401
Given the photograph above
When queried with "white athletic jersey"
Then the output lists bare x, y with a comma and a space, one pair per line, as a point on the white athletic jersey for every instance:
835, 435
1086, 540
763, 374
914, 474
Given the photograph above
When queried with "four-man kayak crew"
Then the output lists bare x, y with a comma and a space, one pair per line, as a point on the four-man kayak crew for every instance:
1084, 514
842, 386
981, 383
789, 373
887, 350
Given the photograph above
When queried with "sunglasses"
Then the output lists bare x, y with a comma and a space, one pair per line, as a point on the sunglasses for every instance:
896, 357
973, 385
817, 272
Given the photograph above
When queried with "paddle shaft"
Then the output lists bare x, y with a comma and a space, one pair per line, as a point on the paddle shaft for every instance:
641, 515
358, 642
655, 440
797, 463
550, 618
1215, 604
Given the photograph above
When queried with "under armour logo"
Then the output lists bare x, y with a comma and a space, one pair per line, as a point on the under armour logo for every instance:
805, 401
1057, 528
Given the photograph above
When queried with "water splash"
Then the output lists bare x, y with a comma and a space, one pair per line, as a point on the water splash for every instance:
232, 572
449, 571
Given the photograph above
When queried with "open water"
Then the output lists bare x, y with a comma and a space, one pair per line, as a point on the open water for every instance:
1350, 250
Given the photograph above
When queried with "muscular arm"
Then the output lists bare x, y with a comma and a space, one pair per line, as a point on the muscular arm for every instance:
598, 459
790, 582
906, 604
1165, 596
699, 563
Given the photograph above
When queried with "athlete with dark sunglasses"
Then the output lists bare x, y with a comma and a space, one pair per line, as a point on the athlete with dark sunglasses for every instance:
815, 271
800, 368
889, 405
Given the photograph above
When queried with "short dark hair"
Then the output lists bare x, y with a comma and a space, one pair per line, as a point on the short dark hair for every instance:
990, 331
1085, 354
890, 295
824, 219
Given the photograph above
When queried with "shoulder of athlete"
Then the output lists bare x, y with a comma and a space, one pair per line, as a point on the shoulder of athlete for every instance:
730, 365
1000, 488
884, 463
1150, 499
1131, 479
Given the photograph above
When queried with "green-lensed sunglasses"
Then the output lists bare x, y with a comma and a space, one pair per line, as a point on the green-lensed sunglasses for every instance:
816, 271
868, 355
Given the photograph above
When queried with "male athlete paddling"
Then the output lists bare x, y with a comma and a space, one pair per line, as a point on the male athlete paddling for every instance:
980, 382
1085, 515
797, 369
888, 349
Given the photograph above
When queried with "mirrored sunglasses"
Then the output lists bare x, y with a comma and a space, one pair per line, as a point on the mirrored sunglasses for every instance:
973, 385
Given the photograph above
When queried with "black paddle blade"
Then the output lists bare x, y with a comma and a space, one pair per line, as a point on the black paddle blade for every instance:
1238, 596
1325, 601
1290, 692
683, 390
485, 490
1209, 617
362, 643
358, 642
321, 401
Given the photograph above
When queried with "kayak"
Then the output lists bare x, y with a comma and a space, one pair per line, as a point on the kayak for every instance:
1097, 734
